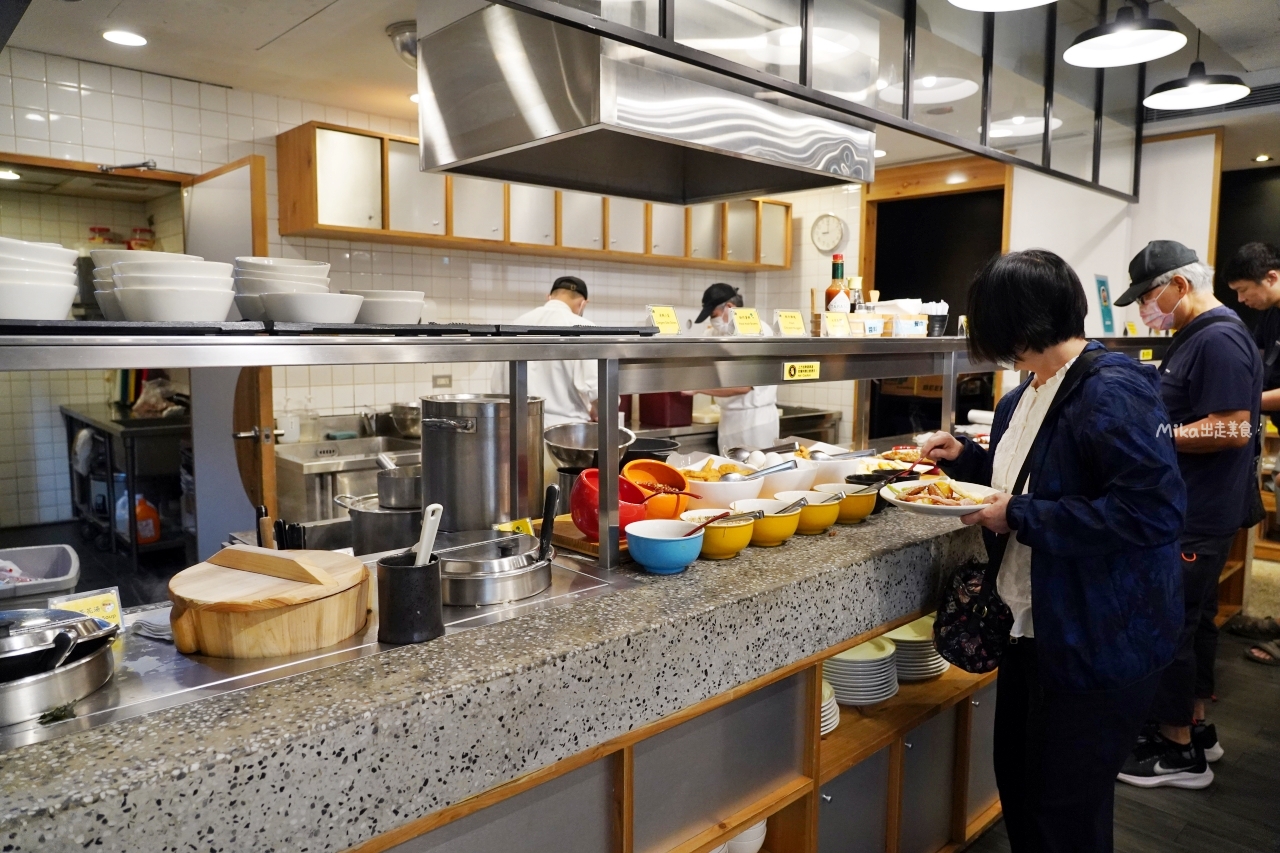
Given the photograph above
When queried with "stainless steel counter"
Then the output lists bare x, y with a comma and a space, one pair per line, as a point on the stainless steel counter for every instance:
151, 675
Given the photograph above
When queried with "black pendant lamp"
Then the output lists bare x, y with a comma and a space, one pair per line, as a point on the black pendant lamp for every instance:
1128, 40
1197, 90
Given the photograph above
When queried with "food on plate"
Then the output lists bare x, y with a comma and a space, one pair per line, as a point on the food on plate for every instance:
902, 454
713, 471
874, 464
660, 488
938, 493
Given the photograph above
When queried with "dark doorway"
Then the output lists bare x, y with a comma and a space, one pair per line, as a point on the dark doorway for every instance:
929, 248
1248, 210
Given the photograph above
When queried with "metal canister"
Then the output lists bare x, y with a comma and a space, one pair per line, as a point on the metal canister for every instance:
466, 458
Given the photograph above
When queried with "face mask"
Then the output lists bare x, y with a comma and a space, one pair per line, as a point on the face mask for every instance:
1153, 317
721, 324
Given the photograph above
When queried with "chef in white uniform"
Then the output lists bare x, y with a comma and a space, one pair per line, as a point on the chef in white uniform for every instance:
748, 415
568, 388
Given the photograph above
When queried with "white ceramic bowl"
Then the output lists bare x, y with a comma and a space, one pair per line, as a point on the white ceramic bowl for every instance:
13, 262
11, 275
799, 479
175, 304
389, 312
192, 282
263, 285
296, 266
311, 307
746, 845
250, 305
277, 276
415, 296
722, 494
104, 275
109, 304
44, 253
173, 268
36, 301
107, 257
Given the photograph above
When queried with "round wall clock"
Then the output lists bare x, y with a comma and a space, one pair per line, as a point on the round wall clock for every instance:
827, 232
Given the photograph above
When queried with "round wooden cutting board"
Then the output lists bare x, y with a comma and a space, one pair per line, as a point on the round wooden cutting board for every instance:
225, 612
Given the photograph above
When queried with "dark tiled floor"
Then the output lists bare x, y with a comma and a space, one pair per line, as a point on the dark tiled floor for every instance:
1240, 811
100, 569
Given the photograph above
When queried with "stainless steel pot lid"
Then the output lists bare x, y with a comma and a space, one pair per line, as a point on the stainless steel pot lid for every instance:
508, 555
27, 631
369, 503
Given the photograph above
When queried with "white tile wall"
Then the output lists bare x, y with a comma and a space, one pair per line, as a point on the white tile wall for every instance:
61, 219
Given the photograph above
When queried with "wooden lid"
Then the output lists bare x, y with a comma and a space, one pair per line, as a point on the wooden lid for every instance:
205, 586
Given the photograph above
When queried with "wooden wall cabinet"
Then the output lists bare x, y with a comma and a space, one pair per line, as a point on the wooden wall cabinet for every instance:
343, 183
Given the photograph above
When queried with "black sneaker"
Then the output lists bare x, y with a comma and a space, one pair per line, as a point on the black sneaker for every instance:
1159, 763
1205, 736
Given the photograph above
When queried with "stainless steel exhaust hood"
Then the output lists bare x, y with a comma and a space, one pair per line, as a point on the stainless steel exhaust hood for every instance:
507, 95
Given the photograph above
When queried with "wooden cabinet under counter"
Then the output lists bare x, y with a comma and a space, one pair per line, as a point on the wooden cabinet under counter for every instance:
345, 183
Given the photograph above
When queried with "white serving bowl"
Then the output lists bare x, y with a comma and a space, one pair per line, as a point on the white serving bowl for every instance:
12, 275
250, 284
277, 276
107, 257
173, 268
311, 307
43, 253
36, 301
104, 275
13, 262
414, 296
722, 494
296, 266
175, 304
250, 305
799, 479
109, 304
192, 282
389, 312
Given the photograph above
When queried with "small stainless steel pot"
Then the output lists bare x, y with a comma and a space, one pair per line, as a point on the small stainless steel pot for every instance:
375, 528
400, 488
28, 698
491, 572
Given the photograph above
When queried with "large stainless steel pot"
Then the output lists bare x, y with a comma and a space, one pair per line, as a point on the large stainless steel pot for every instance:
466, 458
375, 528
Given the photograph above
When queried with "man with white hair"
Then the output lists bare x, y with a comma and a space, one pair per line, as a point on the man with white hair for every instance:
1211, 386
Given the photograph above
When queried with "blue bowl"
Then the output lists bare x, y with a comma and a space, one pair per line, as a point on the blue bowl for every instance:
660, 545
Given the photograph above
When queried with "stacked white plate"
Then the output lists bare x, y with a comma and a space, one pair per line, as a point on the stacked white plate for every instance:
37, 280
830, 709
290, 290
863, 675
159, 287
750, 840
389, 307
918, 660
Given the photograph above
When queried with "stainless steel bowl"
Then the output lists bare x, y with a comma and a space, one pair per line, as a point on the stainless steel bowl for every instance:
400, 488
28, 698
574, 445
407, 418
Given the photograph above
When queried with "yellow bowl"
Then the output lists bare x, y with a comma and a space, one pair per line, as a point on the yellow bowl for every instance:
721, 540
772, 529
816, 517
854, 508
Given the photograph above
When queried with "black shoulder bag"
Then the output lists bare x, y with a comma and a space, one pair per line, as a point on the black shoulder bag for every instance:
973, 622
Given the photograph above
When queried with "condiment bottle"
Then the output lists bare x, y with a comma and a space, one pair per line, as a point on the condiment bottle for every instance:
836, 297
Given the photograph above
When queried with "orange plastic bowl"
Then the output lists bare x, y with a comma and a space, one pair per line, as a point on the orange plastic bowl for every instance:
641, 471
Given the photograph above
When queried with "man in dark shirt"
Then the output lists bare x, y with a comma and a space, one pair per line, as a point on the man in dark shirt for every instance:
1211, 385
1254, 274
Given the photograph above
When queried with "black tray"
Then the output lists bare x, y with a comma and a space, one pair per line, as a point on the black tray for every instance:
125, 327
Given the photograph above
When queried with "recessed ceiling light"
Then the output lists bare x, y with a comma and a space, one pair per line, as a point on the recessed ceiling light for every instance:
9, 175
1021, 126
956, 178
414, 97
124, 37
1128, 40
931, 90
999, 5
1262, 158
1196, 91
880, 152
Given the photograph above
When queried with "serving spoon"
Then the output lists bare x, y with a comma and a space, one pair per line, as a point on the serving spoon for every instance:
740, 454
734, 477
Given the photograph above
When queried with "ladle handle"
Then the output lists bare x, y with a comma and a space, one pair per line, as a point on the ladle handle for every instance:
550, 504
773, 469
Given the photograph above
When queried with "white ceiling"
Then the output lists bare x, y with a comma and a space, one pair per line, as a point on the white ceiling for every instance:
334, 52
1249, 30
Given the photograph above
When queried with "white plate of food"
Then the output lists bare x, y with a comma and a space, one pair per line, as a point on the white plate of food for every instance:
937, 497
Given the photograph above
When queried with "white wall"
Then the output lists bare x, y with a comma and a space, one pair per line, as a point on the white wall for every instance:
1098, 234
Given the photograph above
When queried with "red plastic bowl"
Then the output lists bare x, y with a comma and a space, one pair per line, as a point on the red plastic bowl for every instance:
584, 504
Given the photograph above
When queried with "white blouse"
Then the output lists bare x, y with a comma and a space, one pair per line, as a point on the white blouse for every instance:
1014, 581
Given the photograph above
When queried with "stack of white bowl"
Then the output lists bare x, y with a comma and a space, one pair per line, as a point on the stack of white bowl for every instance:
750, 840
865, 674
830, 709
290, 290
167, 288
918, 659
37, 280
390, 307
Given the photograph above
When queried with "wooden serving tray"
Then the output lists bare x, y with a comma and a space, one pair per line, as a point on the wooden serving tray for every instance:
567, 535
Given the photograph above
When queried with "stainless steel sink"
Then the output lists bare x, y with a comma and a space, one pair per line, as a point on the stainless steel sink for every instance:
310, 474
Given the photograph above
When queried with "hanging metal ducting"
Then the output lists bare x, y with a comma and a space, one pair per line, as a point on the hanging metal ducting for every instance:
507, 95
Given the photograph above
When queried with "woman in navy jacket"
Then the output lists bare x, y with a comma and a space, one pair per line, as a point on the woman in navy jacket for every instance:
1091, 565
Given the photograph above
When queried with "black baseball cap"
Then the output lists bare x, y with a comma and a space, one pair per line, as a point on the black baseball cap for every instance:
570, 282
1158, 258
713, 297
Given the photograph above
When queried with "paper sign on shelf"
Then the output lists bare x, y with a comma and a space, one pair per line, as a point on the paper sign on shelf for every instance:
1104, 302
1132, 328
1146, 355
790, 324
520, 525
794, 370
664, 317
99, 603
835, 324
746, 323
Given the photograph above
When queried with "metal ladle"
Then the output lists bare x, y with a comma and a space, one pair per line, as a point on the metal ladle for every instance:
741, 454
823, 456
734, 477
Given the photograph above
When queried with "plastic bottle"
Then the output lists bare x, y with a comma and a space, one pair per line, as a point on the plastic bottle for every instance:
147, 516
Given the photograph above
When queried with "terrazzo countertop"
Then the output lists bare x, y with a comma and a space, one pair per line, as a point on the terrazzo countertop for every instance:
331, 758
